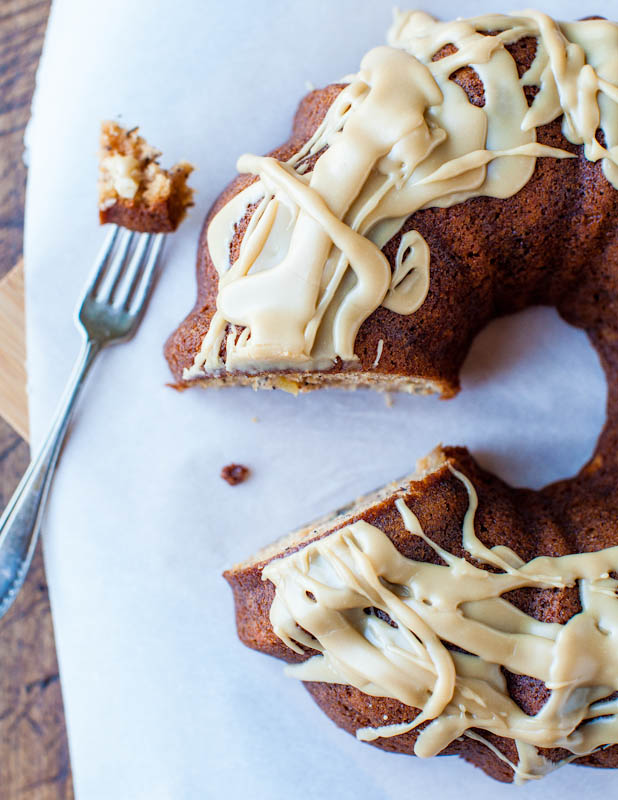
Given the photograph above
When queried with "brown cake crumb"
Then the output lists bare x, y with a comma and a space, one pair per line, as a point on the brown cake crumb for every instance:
235, 473
134, 190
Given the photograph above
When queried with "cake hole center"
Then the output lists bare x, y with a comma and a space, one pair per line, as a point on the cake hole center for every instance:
540, 397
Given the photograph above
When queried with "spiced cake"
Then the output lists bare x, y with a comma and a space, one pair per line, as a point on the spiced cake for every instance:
414, 202
329, 263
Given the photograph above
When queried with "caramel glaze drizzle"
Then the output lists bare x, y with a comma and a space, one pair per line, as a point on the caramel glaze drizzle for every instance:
324, 589
310, 269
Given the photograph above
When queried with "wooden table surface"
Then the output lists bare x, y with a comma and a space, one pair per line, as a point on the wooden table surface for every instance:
34, 757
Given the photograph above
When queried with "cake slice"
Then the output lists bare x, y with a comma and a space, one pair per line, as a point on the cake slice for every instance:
134, 190
466, 171
450, 614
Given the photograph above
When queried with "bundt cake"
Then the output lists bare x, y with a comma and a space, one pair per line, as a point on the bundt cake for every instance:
134, 190
467, 171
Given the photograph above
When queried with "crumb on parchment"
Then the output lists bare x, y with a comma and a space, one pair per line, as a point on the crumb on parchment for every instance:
235, 473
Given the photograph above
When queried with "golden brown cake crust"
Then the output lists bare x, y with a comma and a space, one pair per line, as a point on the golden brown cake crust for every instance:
554, 243
158, 218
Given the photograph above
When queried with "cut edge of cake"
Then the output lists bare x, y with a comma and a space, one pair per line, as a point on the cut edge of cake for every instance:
435, 461
301, 382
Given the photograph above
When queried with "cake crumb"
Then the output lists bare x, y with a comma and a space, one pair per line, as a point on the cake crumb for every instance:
388, 399
235, 473
134, 190
255, 419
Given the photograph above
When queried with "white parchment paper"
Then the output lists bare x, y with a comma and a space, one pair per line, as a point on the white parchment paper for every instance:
161, 699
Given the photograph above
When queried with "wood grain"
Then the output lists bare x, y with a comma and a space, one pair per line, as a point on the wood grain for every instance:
22, 28
34, 758
13, 398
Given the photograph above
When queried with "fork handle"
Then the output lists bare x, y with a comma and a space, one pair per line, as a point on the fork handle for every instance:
21, 521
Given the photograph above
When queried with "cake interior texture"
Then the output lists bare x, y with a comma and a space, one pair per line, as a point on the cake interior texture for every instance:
134, 190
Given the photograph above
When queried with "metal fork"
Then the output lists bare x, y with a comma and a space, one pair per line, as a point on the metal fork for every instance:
110, 311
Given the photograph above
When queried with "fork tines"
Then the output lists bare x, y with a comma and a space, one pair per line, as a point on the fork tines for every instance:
124, 271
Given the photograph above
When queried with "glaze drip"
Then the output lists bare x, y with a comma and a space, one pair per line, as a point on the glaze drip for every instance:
310, 269
323, 590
